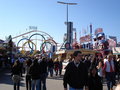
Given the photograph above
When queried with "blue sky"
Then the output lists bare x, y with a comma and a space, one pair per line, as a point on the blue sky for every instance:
49, 16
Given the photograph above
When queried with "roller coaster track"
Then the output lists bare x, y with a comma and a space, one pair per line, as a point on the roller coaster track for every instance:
31, 32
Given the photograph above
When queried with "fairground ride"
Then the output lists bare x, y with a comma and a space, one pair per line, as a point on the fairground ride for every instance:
32, 42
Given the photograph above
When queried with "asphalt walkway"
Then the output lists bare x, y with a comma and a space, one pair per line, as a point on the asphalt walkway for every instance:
54, 83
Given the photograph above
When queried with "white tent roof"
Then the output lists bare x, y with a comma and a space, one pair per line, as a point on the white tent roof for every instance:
116, 50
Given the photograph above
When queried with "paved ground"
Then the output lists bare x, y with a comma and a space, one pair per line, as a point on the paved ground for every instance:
54, 83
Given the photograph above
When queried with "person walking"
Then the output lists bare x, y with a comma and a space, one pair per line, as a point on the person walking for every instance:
100, 69
109, 71
16, 71
44, 73
118, 69
76, 74
28, 76
60, 67
94, 81
50, 67
56, 66
35, 74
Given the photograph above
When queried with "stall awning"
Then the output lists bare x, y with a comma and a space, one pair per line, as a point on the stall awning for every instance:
116, 50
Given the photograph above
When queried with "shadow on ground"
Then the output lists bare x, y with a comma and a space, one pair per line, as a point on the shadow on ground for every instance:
5, 77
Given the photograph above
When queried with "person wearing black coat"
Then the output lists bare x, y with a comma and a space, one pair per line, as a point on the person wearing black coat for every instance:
94, 81
35, 73
76, 74
44, 73
16, 70
50, 67
28, 76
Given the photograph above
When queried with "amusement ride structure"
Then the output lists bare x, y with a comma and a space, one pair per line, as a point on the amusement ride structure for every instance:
35, 42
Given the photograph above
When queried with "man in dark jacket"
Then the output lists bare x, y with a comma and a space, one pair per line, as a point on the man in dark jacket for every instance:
43, 65
50, 67
76, 74
35, 73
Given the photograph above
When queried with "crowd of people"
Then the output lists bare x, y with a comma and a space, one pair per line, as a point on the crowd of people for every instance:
36, 71
82, 72
98, 69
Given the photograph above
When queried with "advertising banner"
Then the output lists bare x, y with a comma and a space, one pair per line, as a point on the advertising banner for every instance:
98, 30
85, 38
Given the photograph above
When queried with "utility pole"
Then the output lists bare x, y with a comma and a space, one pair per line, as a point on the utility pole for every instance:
67, 19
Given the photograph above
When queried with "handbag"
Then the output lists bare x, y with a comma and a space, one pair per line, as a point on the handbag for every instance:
16, 78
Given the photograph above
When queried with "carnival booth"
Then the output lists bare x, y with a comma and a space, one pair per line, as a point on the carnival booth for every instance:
3, 53
116, 50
